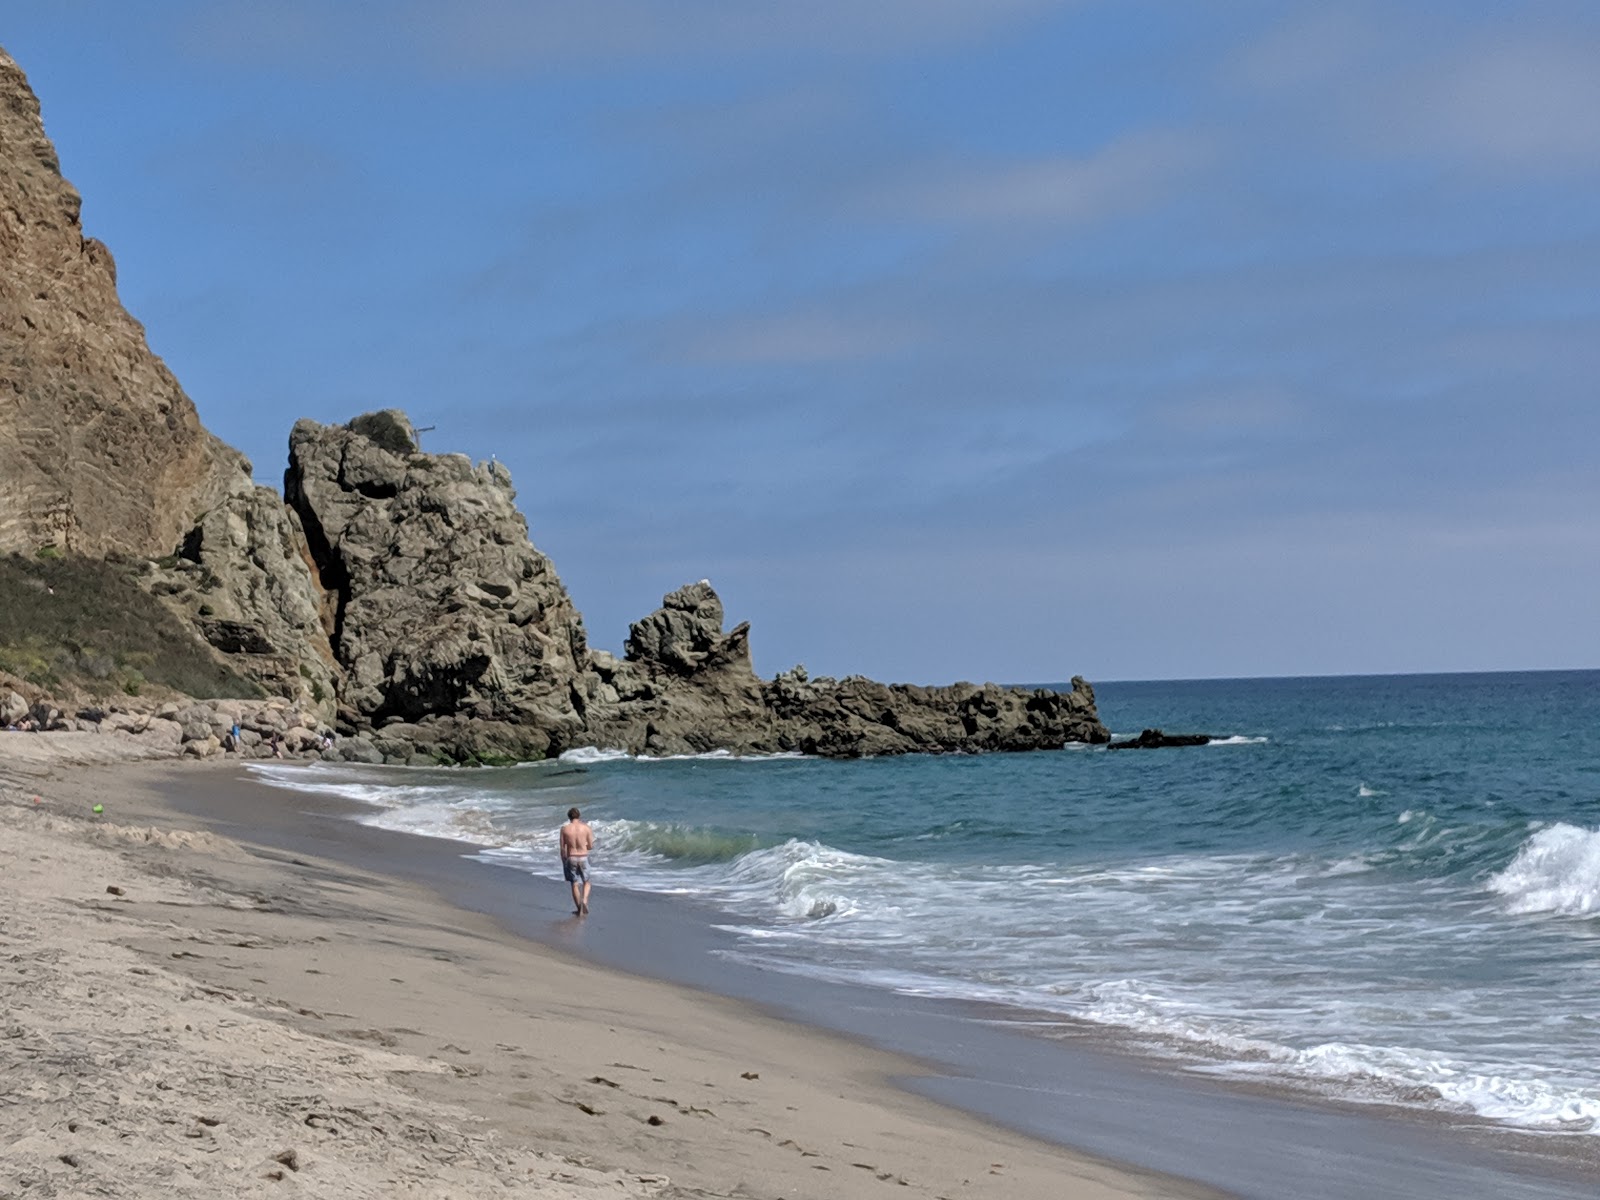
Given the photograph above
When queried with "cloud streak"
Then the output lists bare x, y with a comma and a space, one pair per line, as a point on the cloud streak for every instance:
477, 37
1130, 174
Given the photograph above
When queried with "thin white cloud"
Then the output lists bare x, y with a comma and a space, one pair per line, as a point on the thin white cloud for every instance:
1520, 95
1125, 176
510, 35
1321, 46
798, 339
1530, 104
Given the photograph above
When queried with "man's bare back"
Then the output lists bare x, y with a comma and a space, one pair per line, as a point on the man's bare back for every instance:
577, 840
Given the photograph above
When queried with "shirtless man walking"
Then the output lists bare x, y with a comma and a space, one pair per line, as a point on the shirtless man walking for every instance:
577, 839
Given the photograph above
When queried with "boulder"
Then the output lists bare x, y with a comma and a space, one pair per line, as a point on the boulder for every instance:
163, 734
1155, 739
356, 750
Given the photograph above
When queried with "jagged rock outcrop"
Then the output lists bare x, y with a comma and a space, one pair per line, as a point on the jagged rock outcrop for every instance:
853, 717
683, 687
441, 609
1155, 739
687, 687
100, 450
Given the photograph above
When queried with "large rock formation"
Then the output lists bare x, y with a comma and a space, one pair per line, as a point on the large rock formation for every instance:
440, 606
100, 449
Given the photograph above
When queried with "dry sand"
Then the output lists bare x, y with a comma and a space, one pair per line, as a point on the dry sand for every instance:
188, 1016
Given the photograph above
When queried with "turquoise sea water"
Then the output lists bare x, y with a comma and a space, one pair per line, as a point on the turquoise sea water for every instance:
1383, 888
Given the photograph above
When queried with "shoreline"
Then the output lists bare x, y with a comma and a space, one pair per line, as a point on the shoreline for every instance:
987, 1062
1243, 1137
692, 931
235, 1017
1327, 1151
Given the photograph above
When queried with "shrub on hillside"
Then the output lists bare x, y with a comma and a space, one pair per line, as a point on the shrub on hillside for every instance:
88, 622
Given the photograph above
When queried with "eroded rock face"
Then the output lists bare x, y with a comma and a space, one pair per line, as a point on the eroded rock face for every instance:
246, 581
441, 607
100, 450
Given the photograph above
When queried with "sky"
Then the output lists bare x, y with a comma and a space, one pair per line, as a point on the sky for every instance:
950, 339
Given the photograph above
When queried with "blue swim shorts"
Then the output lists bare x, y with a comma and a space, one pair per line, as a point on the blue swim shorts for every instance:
575, 870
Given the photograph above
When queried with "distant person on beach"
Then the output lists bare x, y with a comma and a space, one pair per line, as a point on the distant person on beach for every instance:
577, 839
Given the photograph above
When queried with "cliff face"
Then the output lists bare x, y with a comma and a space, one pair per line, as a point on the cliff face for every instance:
245, 580
100, 450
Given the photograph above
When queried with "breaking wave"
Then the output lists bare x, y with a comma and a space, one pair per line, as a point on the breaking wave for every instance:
1557, 870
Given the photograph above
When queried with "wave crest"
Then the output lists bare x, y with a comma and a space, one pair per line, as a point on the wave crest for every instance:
594, 754
686, 845
1557, 870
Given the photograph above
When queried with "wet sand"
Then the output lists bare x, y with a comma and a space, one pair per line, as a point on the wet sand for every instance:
191, 1014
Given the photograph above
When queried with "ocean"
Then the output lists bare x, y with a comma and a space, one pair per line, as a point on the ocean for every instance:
1381, 889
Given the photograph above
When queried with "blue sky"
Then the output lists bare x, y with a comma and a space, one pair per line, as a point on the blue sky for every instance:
987, 340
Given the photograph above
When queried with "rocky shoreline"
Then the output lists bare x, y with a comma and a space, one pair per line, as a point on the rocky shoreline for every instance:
388, 594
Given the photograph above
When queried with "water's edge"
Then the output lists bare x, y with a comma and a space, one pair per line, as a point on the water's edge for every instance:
1080, 1096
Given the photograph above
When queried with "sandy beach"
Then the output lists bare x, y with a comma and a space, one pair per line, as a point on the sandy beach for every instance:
190, 1015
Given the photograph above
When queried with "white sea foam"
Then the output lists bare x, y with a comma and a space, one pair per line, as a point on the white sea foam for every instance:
367, 785
1520, 1094
1557, 870
800, 879
593, 754
1354, 864
1365, 792
1237, 739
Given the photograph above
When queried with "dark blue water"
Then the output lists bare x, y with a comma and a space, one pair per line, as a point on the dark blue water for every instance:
1383, 887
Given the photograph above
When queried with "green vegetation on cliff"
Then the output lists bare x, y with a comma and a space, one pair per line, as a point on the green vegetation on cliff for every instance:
87, 623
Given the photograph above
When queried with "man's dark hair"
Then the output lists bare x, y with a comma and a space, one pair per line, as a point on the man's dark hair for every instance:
573, 814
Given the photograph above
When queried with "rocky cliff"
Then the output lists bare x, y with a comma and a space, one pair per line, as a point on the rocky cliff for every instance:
100, 450
439, 608
391, 591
